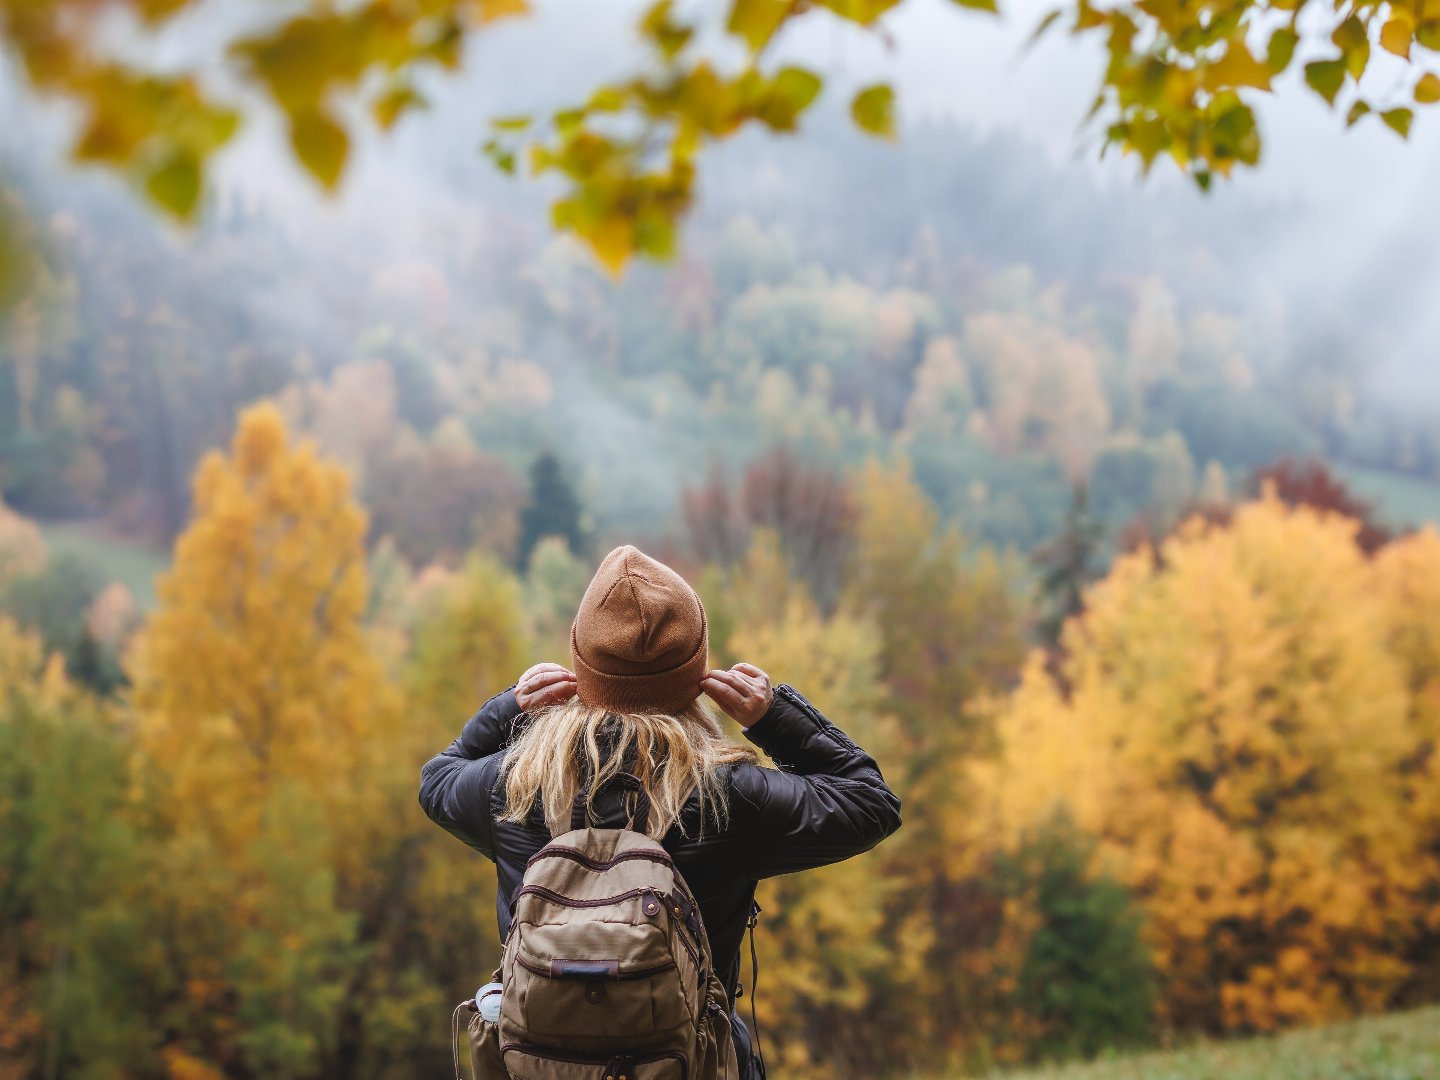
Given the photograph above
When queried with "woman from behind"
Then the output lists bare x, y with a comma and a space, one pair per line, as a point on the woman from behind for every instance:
567, 748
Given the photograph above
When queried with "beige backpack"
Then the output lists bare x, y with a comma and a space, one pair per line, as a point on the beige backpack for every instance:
607, 971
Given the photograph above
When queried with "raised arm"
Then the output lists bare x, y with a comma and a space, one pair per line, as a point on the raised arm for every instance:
455, 784
826, 802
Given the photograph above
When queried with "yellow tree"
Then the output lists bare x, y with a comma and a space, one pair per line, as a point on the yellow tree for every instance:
838, 949
261, 702
1231, 728
468, 643
255, 670
949, 623
1407, 573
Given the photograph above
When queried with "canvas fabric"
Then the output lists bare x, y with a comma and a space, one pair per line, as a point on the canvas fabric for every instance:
607, 971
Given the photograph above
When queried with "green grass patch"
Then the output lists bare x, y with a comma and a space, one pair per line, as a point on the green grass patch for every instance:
1400, 501
1401, 1046
114, 559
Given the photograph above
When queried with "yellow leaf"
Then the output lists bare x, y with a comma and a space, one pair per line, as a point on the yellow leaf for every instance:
1427, 90
321, 145
1237, 67
756, 21
491, 10
1396, 35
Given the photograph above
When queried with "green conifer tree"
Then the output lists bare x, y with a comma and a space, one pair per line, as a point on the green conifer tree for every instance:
552, 510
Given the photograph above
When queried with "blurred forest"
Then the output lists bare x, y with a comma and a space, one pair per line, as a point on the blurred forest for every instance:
1101, 536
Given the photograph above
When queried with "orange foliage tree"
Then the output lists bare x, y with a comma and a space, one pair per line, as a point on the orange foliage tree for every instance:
1245, 731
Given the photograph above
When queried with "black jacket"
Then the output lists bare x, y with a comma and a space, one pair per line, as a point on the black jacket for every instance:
826, 802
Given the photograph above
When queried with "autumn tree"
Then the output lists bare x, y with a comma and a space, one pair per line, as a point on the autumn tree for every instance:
1235, 733
832, 972
554, 583
469, 640
1407, 576
283, 756
806, 505
440, 498
1314, 483
950, 624
78, 963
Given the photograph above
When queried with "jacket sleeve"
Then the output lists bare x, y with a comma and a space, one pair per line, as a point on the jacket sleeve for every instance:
455, 785
826, 802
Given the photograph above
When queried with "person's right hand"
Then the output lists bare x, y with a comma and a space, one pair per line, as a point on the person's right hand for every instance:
544, 684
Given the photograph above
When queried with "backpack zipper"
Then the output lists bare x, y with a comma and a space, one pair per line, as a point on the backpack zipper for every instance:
639, 973
598, 1060
576, 855
566, 901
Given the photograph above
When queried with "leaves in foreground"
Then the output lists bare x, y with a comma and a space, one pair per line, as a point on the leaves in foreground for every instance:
1179, 81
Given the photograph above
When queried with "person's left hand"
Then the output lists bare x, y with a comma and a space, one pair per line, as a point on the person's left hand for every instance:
544, 684
743, 692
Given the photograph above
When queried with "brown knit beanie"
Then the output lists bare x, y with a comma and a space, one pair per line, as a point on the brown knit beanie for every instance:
639, 640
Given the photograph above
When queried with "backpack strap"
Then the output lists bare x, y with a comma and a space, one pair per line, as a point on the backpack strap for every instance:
579, 816
754, 984
469, 1003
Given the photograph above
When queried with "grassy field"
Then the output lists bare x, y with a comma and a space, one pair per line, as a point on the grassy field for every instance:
1400, 501
133, 564
1402, 1046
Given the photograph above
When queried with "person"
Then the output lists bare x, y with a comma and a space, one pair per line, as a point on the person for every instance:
634, 702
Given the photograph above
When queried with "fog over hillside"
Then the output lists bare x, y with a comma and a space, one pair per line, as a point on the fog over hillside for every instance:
1324, 259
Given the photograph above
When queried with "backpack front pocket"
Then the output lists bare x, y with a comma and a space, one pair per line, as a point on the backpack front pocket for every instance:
527, 1062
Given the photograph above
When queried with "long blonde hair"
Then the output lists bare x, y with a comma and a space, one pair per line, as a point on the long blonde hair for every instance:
571, 746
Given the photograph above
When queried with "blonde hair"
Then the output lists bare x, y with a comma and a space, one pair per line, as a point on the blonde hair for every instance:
571, 746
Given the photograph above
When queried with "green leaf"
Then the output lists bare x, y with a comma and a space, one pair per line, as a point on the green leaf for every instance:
605, 99
1235, 136
511, 123
1427, 90
500, 155
175, 184
1358, 110
873, 110
756, 21
789, 94
864, 12
1350, 34
1281, 49
1044, 24
395, 102
979, 5
321, 145
1326, 77
1354, 42
1398, 121
1148, 137
568, 121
